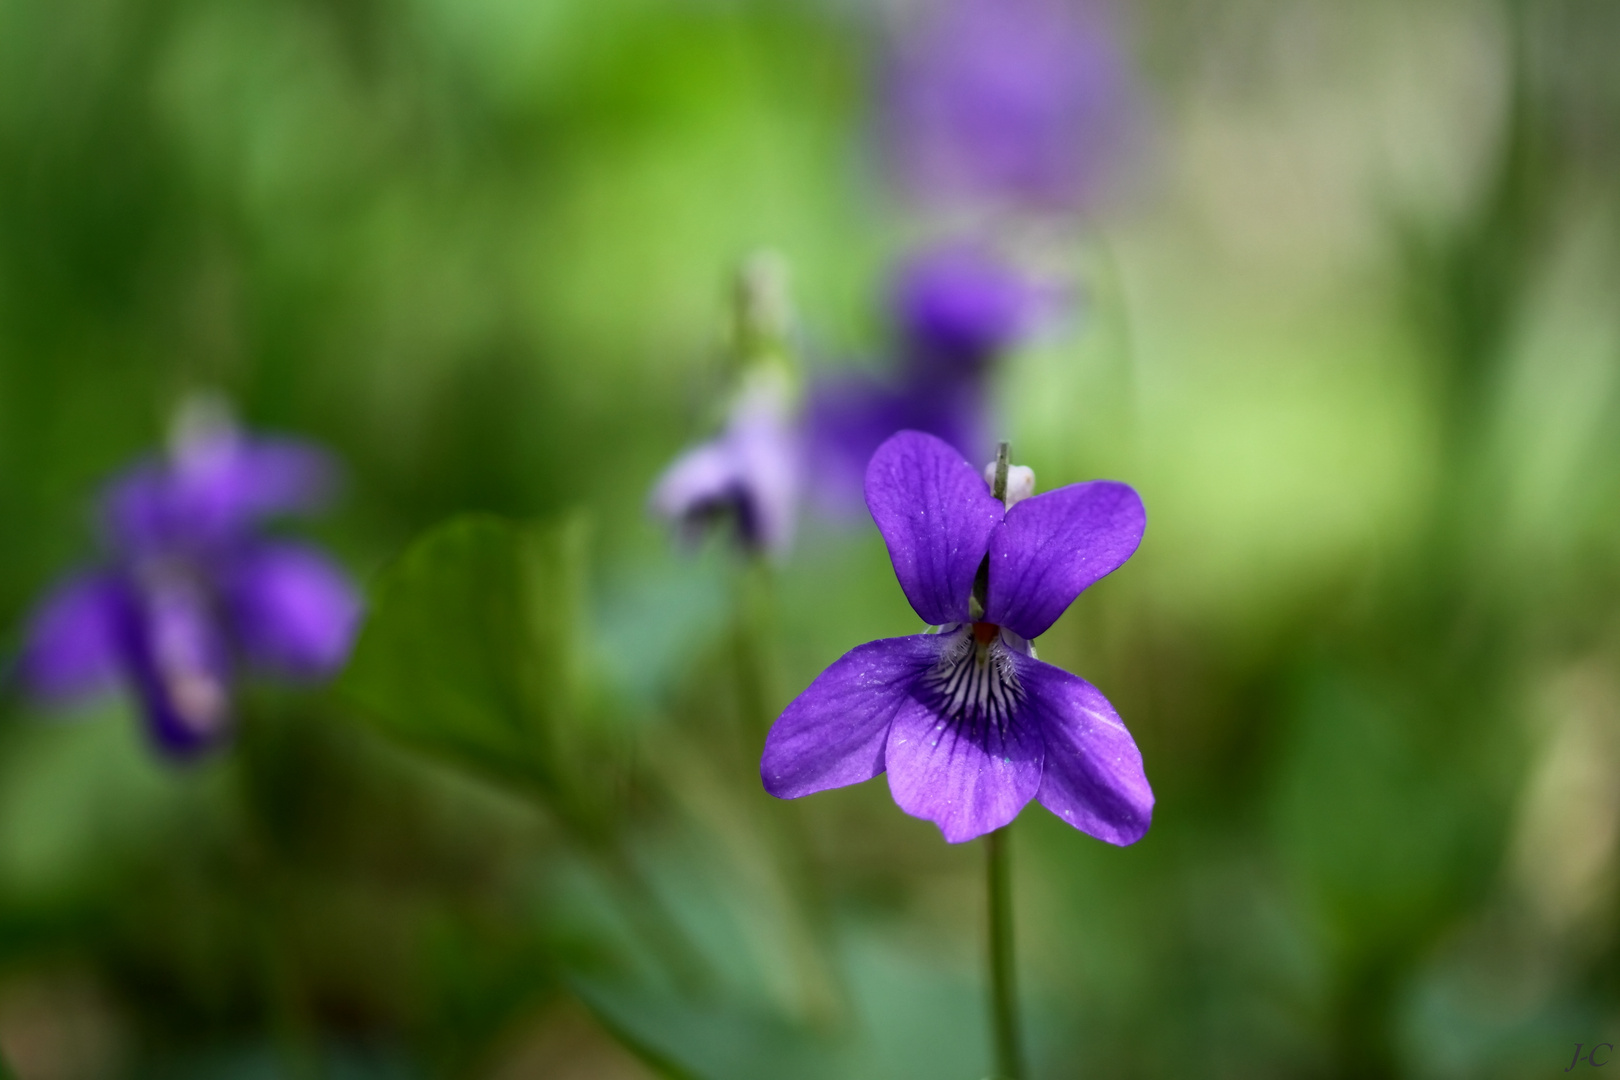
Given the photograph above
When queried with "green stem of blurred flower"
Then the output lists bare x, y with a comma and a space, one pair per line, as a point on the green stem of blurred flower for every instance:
1003, 988
264, 879
822, 995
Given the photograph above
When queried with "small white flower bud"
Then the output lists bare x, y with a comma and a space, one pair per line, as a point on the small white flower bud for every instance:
203, 431
1020, 482
764, 304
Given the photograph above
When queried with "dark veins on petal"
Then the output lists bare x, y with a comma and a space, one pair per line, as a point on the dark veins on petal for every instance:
974, 686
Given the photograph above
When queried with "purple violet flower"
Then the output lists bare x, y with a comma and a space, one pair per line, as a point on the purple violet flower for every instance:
1022, 103
968, 724
749, 473
191, 592
958, 309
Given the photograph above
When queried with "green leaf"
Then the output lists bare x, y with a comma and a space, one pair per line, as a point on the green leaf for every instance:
470, 654
712, 1040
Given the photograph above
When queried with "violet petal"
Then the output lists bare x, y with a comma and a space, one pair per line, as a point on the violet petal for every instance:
1051, 547
702, 476
1010, 102
850, 416
214, 492
71, 645
936, 515
1093, 778
833, 734
268, 477
765, 445
293, 610
136, 509
959, 306
968, 781
178, 661
751, 471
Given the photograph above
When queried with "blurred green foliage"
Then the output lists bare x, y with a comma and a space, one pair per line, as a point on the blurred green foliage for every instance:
1353, 337
469, 653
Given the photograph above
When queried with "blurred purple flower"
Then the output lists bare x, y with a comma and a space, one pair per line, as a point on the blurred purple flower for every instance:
958, 309
749, 474
1010, 103
968, 724
191, 591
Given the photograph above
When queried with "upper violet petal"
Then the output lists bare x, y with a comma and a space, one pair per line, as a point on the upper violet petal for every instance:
220, 487
213, 492
1053, 546
833, 734
71, 645
1093, 778
936, 515
968, 782
292, 609
278, 476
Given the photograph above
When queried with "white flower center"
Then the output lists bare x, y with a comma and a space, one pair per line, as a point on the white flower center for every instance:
974, 683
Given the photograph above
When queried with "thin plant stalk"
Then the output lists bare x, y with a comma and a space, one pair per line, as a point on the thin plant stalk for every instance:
810, 933
998, 905
263, 876
1004, 1018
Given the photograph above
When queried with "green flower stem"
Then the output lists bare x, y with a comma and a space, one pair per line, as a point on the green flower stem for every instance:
1003, 988
263, 876
822, 994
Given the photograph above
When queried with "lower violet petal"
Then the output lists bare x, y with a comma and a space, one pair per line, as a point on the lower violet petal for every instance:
1093, 778
967, 765
178, 662
833, 734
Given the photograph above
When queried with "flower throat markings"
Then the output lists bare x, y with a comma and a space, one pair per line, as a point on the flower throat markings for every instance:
974, 684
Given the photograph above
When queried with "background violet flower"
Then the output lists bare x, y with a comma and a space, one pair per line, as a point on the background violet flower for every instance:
1008, 103
191, 592
967, 723
958, 308
749, 473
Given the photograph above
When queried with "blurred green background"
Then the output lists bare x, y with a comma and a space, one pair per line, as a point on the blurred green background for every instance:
1353, 334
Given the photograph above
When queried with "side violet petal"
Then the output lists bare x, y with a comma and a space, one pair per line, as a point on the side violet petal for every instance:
293, 610
936, 516
1052, 547
968, 782
695, 482
833, 734
766, 446
71, 646
1093, 777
